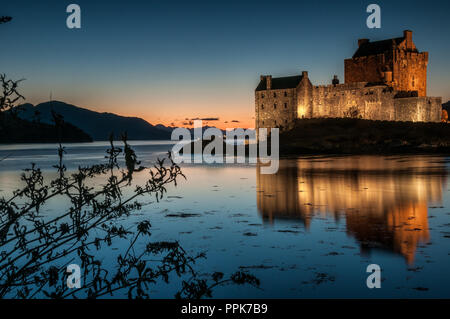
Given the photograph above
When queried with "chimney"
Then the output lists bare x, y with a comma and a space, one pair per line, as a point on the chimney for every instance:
269, 82
407, 35
388, 76
305, 74
335, 80
362, 41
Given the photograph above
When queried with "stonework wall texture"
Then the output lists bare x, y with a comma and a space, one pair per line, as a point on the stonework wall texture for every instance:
341, 101
372, 103
410, 72
276, 108
418, 109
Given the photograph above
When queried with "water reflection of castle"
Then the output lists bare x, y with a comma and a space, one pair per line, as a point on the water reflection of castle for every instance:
384, 200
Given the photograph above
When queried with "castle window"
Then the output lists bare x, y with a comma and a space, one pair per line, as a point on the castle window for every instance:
275, 106
274, 94
262, 122
285, 121
262, 106
285, 94
262, 95
285, 105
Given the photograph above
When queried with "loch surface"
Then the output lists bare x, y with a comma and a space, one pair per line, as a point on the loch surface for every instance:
310, 230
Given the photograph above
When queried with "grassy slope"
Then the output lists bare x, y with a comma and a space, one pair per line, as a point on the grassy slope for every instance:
356, 136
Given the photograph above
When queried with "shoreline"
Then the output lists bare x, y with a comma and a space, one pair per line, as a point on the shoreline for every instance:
365, 137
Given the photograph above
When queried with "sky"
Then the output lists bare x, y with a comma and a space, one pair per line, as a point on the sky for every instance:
171, 61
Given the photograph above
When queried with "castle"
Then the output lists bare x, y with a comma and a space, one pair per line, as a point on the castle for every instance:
384, 80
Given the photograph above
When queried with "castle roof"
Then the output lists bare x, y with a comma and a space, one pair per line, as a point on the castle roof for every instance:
287, 82
377, 47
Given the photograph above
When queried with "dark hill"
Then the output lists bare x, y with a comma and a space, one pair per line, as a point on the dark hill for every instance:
16, 130
98, 125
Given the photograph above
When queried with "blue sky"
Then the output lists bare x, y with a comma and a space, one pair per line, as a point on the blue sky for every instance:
167, 61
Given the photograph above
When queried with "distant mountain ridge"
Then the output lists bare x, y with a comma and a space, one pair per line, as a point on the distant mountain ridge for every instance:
17, 130
98, 125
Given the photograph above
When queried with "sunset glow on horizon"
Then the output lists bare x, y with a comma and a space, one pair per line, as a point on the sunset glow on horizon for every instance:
229, 119
169, 63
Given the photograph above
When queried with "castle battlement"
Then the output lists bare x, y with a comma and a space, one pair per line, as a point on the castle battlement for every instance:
341, 86
384, 80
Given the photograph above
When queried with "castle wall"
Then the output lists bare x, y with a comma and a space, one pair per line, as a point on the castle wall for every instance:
372, 103
435, 104
353, 100
275, 108
410, 71
342, 101
378, 104
418, 109
304, 97
406, 109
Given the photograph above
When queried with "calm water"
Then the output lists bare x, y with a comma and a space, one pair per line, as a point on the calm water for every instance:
308, 231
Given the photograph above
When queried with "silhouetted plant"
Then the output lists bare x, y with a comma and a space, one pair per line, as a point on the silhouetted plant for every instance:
35, 250
8, 99
197, 288
10, 96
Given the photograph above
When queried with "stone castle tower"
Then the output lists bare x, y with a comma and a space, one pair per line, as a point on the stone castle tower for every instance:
384, 80
396, 62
